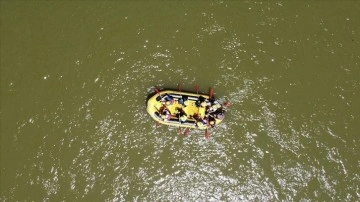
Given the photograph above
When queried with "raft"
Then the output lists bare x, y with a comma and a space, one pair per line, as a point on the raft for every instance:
185, 109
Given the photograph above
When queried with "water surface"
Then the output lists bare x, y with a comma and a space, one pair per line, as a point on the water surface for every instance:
75, 77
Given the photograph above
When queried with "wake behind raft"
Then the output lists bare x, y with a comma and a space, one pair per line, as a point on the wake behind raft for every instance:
185, 109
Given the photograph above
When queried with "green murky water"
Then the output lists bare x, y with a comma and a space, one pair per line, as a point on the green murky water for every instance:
75, 76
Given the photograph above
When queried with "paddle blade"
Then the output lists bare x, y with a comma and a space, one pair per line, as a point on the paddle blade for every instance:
186, 132
179, 87
207, 135
211, 92
227, 104
197, 89
180, 130
157, 90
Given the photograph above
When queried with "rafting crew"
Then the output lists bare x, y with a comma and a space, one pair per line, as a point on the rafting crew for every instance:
213, 111
173, 108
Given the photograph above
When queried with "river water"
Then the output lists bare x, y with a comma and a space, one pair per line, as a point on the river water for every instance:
75, 76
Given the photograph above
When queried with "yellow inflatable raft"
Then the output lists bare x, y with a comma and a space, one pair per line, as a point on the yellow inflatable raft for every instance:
185, 109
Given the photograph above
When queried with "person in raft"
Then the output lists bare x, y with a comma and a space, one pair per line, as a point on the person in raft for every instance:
202, 102
184, 101
211, 121
165, 115
212, 108
167, 100
201, 123
181, 115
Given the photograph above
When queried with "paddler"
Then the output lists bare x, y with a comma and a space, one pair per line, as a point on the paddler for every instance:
201, 123
183, 118
168, 100
165, 115
184, 101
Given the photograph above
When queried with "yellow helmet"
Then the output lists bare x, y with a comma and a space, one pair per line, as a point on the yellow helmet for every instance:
203, 104
212, 122
183, 117
168, 102
214, 106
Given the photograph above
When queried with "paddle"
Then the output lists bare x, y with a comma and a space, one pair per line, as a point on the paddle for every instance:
186, 131
211, 92
207, 135
197, 89
227, 104
157, 91
179, 87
